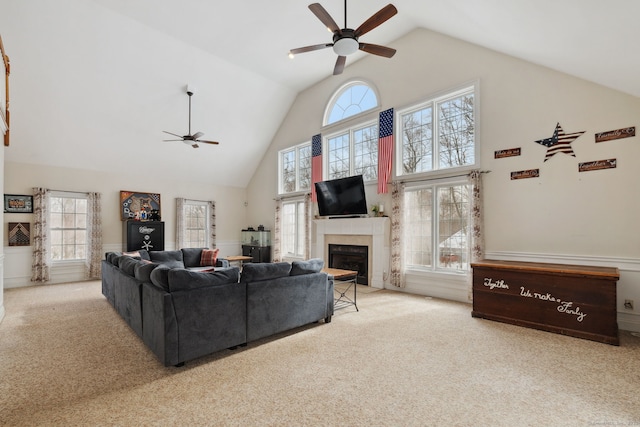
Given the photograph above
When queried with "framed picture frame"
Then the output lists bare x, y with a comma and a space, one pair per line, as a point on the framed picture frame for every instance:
19, 234
139, 205
17, 203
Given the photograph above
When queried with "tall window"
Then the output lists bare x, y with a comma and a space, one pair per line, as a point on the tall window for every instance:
68, 226
353, 152
293, 228
196, 224
438, 134
295, 169
436, 236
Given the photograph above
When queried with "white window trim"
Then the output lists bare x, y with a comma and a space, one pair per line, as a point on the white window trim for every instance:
298, 191
338, 92
434, 270
289, 256
341, 131
207, 225
433, 100
67, 195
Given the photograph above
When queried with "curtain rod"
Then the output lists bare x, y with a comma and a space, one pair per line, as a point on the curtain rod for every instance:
435, 178
291, 196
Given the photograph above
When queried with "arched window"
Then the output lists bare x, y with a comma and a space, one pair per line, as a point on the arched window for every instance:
350, 100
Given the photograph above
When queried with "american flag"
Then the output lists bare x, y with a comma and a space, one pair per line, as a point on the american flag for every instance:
316, 163
385, 149
560, 142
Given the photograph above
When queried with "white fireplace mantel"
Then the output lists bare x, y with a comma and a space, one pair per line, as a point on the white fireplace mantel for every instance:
374, 231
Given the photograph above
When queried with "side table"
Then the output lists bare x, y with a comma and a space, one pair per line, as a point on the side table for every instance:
349, 277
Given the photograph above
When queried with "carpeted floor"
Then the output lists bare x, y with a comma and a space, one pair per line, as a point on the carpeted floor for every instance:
66, 358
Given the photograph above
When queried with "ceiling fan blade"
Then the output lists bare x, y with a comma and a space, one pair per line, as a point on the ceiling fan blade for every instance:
310, 48
179, 136
339, 65
172, 140
324, 17
209, 142
197, 135
378, 18
375, 49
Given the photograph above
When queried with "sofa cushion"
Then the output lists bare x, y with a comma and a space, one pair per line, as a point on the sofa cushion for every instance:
209, 257
182, 279
191, 256
128, 264
313, 265
252, 272
143, 269
172, 259
160, 277
139, 254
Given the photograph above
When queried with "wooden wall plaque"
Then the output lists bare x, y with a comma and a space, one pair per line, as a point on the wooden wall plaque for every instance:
574, 300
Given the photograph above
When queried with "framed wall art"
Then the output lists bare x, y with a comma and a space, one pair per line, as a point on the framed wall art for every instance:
19, 234
141, 206
16, 203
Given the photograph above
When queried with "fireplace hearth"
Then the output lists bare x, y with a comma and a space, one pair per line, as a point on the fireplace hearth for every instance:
350, 257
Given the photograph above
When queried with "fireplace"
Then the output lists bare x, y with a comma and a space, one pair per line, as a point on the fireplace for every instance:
351, 257
374, 233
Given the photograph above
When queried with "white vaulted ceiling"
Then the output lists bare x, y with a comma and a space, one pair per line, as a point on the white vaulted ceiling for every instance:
94, 83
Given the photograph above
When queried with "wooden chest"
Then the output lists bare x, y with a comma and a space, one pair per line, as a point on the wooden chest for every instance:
573, 300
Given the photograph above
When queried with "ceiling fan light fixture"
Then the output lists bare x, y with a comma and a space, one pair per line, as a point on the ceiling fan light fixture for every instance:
346, 46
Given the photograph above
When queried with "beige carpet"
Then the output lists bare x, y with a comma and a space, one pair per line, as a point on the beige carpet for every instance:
66, 358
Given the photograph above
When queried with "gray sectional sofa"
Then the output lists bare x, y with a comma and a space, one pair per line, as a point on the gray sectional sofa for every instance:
183, 311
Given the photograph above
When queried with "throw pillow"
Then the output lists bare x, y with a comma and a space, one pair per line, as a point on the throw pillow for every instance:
172, 259
209, 257
313, 265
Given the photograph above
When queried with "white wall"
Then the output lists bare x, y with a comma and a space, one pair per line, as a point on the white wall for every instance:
564, 215
21, 178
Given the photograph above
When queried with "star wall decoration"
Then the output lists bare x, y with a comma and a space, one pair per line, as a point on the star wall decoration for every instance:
560, 142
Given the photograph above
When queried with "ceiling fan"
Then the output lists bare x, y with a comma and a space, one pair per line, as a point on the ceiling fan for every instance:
345, 40
190, 139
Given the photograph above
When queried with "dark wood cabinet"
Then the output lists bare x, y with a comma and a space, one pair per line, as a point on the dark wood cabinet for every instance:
147, 235
573, 300
257, 244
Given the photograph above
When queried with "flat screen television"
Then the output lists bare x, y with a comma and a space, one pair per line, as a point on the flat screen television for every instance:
341, 197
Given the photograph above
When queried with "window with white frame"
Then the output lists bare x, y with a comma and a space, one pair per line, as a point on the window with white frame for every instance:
352, 99
293, 228
353, 152
196, 224
68, 237
295, 169
436, 233
438, 134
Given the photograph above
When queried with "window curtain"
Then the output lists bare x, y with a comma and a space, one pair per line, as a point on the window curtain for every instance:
277, 244
212, 224
308, 205
477, 224
397, 277
40, 260
180, 222
94, 232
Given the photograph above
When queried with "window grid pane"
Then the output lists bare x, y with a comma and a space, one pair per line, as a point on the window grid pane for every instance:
417, 141
304, 179
338, 156
456, 132
289, 171
365, 145
418, 232
453, 217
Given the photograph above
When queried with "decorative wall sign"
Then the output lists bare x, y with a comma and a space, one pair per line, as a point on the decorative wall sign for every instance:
145, 205
531, 173
509, 152
597, 165
560, 142
616, 134
15, 203
19, 234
